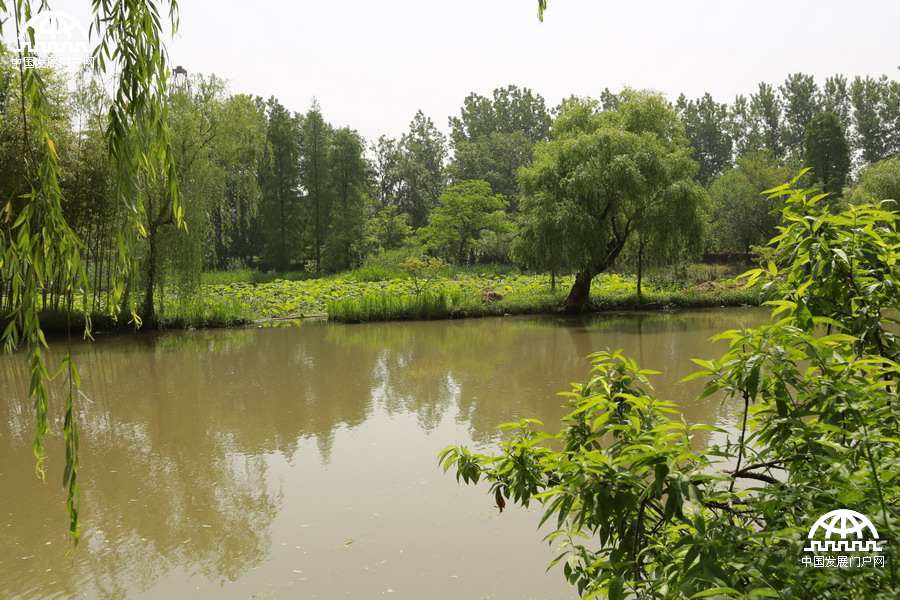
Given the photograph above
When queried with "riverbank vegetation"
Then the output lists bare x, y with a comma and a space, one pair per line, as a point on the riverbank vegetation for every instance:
629, 183
232, 298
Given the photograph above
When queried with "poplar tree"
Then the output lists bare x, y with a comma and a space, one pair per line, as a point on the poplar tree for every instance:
802, 101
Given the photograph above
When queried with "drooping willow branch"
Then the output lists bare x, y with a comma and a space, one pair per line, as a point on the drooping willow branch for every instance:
38, 248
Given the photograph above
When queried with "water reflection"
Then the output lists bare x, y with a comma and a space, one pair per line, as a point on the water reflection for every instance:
239, 463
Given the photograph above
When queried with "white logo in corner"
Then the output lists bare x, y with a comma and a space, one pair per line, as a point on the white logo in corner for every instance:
847, 533
59, 38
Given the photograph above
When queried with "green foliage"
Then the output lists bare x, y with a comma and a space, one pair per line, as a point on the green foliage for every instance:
576, 115
315, 146
589, 189
279, 179
248, 276
827, 152
493, 137
836, 99
482, 291
386, 229
682, 274
419, 170
203, 310
116, 199
670, 230
867, 96
38, 247
766, 131
637, 509
344, 246
802, 103
239, 150
389, 263
706, 125
741, 217
175, 256
383, 306
878, 181
466, 210
422, 271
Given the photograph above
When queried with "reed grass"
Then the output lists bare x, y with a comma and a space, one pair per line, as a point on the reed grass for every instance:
384, 306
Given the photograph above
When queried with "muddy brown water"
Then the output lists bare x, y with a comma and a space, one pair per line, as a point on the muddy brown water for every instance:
299, 462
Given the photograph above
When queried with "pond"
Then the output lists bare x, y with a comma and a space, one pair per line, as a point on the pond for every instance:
300, 462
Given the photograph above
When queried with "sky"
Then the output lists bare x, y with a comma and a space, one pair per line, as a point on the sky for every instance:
371, 64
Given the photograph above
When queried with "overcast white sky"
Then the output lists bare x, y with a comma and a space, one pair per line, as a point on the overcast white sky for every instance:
372, 64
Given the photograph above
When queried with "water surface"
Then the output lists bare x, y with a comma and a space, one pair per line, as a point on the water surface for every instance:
300, 462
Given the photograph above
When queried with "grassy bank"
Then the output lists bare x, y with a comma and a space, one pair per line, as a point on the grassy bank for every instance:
350, 298
239, 297
199, 312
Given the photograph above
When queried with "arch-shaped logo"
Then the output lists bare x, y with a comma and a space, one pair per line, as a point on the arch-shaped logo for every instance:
843, 530
57, 34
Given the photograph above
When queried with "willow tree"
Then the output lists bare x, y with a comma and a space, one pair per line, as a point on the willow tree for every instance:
239, 150
38, 246
604, 177
196, 119
671, 227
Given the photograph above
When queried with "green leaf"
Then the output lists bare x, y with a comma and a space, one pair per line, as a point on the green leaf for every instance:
763, 593
716, 591
617, 588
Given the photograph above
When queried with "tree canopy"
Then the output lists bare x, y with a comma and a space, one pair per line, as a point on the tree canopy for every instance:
827, 152
466, 210
599, 177
878, 181
741, 216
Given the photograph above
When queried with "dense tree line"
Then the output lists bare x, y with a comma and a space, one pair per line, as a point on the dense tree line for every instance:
268, 188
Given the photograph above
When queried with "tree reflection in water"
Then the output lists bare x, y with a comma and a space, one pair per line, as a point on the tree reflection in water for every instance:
191, 442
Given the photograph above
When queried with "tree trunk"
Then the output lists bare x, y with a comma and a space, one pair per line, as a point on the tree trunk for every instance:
640, 267
461, 252
148, 312
219, 235
281, 259
579, 296
318, 239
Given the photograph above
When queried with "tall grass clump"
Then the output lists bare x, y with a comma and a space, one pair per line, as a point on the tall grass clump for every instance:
383, 306
205, 311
